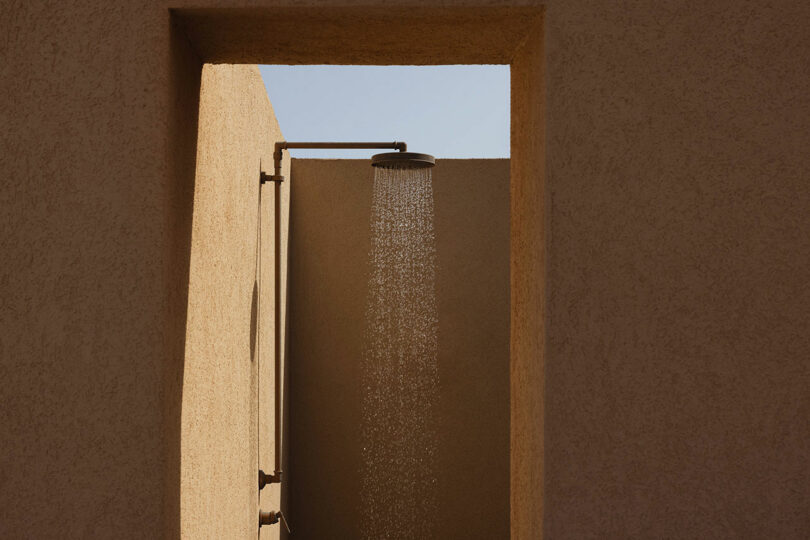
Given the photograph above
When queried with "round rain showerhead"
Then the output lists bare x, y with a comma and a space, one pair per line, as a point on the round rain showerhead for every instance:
403, 160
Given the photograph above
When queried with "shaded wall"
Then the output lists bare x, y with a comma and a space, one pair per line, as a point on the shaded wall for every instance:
676, 372
94, 236
329, 264
229, 354
528, 242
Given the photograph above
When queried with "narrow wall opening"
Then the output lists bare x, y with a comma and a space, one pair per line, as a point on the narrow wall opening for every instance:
344, 448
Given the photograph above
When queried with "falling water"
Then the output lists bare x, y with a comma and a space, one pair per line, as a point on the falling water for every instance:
400, 376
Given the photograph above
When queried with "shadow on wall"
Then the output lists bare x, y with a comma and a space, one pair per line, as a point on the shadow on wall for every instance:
184, 103
254, 302
289, 476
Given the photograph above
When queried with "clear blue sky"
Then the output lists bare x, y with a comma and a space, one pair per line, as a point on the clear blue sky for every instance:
447, 111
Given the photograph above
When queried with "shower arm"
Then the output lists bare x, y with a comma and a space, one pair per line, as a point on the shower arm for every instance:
284, 145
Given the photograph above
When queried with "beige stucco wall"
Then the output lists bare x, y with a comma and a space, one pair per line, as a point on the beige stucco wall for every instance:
329, 261
229, 356
670, 212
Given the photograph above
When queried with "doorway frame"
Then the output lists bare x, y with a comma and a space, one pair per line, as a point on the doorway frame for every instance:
421, 34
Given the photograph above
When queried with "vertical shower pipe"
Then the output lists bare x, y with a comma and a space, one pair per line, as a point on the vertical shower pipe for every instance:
275, 478
277, 340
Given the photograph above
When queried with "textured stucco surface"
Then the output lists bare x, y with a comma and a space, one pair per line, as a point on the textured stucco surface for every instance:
230, 326
677, 369
528, 228
88, 267
675, 190
329, 261
369, 33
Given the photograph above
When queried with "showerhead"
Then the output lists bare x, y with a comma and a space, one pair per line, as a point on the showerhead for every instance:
403, 160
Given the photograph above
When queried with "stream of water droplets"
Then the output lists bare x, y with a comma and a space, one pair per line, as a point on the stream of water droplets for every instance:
400, 375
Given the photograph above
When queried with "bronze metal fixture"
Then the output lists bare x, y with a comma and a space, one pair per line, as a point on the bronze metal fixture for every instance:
275, 478
284, 145
265, 478
271, 518
403, 160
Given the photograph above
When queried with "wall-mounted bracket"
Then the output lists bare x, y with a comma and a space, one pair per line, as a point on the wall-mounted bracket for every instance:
265, 478
271, 518
264, 178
